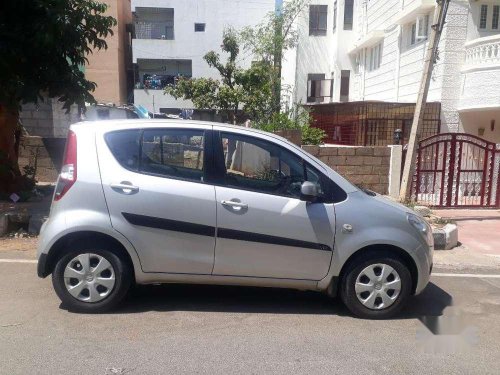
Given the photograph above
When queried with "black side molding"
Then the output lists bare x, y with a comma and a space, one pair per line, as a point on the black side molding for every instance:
265, 238
167, 224
206, 230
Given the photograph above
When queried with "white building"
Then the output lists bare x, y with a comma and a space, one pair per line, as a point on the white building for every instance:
172, 36
373, 50
314, 69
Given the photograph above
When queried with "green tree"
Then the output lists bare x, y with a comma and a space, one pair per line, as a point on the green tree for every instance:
237, 91
270, 39
254, 92
43, 44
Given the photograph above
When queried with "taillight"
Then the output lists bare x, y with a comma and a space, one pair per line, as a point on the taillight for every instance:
67, 177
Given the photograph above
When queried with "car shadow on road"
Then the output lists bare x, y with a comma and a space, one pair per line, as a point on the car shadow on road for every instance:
210, 298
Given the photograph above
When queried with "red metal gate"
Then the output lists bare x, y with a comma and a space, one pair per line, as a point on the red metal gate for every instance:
457, 170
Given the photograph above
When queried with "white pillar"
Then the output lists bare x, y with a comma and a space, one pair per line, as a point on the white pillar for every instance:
395, 170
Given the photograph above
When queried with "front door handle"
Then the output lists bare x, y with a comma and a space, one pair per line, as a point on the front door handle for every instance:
125, 187
235, 205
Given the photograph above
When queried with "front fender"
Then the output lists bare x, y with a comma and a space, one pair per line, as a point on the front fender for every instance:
373, 223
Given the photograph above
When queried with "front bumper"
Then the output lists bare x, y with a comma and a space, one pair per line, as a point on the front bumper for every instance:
424, 266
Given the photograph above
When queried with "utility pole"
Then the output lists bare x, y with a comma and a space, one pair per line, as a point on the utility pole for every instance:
278, 53
430, 56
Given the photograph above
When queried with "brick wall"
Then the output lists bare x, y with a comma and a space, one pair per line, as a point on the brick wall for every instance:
362, 165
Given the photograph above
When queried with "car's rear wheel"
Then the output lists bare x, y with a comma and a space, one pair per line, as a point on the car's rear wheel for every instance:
90, 279
376, 286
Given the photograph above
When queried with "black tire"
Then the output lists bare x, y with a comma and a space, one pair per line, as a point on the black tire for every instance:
347, 287
123, 279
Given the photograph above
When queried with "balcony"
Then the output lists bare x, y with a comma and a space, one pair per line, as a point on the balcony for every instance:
412, 9
153, 75
481, 74
156, 101
482, 53
154, 23
368, 40
154, 30
156, 74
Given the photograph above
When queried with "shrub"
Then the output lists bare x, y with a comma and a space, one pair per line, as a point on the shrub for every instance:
312, 136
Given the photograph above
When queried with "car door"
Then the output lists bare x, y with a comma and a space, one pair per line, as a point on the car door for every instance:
154, 184
263, 228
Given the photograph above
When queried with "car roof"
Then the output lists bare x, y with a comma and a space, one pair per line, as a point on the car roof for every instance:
109, 125
154, 123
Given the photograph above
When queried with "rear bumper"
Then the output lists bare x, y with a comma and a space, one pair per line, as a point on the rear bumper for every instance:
42, 268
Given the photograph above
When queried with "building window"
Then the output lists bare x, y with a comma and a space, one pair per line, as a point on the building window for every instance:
494, 21
334, 16
484, 16
375, 57
199, 27
318, 15
344, 85
419, 30
318, 87
348, 14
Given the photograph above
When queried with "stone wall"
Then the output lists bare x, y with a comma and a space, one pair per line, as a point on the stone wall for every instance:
37, 119
48, 118
45, 154
362, 165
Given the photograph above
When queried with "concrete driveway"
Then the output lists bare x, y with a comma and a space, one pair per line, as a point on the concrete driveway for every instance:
177, 329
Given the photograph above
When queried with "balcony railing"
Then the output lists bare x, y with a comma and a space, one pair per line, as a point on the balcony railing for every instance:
483, 52
154, 30
159, 81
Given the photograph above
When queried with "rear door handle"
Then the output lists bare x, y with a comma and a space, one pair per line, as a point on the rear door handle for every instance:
235, 205
125, 187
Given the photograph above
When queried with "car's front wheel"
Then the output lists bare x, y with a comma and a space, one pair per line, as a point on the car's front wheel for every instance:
91, 279
376, 286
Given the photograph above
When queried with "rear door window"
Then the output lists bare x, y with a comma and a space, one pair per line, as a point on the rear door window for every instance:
124, 145
174, 153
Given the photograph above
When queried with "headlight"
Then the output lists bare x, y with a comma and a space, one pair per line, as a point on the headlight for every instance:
422, 227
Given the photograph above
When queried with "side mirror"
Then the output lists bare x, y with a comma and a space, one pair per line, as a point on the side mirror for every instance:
308, 191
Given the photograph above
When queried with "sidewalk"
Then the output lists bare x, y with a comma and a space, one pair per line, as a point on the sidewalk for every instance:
26, 215
478, 230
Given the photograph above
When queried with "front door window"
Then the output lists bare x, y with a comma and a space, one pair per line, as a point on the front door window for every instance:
260, 166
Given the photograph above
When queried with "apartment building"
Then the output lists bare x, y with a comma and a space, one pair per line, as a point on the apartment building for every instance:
371, 52
171, 38
110, 69
318, 70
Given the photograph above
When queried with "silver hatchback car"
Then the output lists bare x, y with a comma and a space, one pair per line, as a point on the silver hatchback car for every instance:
193, 202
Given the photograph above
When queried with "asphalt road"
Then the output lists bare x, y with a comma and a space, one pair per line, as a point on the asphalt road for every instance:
178, 329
